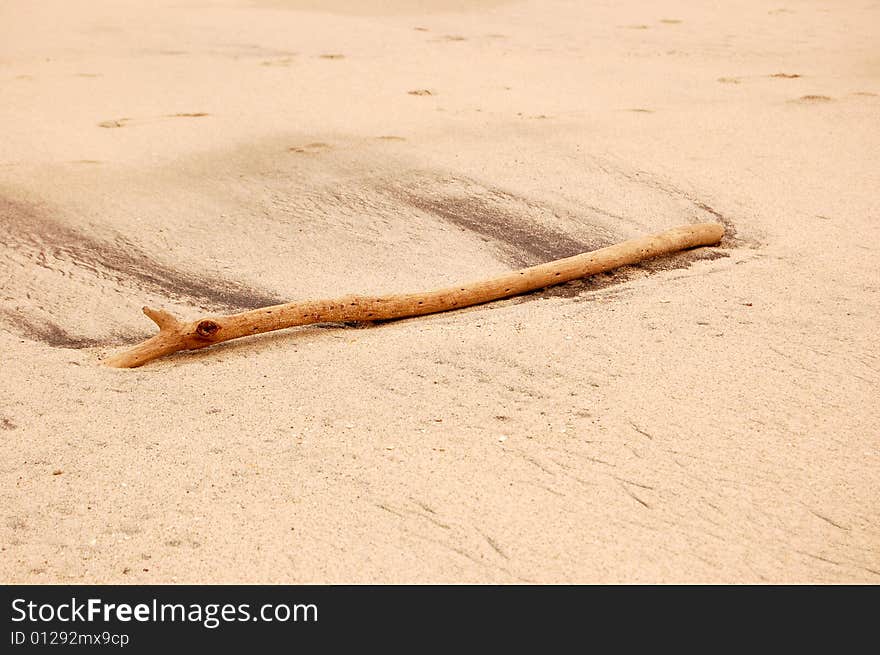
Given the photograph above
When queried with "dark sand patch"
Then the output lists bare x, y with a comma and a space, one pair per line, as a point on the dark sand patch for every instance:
514, 226
30, 235
497, 216
43, 330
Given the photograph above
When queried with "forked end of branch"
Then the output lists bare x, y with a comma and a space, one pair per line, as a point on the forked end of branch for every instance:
171, 338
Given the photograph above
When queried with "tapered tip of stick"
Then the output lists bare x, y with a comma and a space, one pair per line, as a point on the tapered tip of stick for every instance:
716, 231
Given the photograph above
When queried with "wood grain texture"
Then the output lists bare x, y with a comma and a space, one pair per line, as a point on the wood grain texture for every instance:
175, 335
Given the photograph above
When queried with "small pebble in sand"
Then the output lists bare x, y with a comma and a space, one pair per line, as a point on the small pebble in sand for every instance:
57, 472
502, 438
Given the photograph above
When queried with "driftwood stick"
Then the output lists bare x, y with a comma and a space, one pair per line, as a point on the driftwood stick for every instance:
176, 335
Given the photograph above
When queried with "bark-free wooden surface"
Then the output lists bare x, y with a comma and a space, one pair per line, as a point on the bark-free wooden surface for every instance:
175, 335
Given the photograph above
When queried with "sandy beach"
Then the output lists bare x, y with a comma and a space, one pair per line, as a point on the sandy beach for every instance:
709, 417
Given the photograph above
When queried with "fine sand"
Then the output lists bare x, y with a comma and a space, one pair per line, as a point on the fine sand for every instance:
708, 417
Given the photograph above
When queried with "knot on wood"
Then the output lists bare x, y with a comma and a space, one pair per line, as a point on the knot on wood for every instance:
207, 329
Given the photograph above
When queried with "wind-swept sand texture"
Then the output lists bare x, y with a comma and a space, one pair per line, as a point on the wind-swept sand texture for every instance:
707, 417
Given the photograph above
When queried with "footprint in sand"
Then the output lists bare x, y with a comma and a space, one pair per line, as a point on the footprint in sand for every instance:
311, 148
116, 122
126, 122
813, 99
778, 76
285, 61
